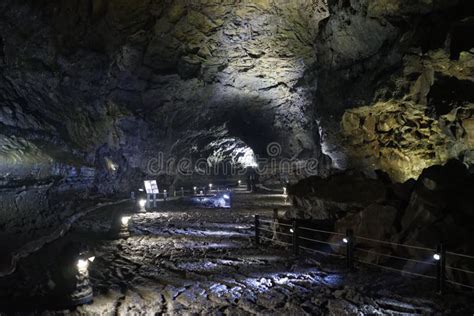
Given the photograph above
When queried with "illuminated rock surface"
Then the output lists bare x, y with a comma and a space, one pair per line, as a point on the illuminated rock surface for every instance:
395, 98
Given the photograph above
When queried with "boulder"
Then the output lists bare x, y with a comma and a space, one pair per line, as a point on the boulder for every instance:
439, 191
375, 221
333, 197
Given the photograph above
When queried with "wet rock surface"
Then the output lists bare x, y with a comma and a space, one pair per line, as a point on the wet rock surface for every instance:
196, 261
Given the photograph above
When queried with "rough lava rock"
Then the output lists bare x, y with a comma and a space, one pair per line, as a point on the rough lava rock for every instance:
336, 195
437, 208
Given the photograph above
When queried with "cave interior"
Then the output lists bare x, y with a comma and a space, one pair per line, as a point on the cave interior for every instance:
345, 126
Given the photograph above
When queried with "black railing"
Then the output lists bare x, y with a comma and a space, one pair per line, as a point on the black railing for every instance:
349, 244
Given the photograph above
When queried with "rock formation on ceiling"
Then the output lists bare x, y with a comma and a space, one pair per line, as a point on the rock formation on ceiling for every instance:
395, 82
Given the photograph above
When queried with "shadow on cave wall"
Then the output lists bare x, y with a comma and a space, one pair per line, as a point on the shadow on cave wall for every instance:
448, 93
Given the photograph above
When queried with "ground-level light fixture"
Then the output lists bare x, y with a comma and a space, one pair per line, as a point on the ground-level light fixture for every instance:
437, 256
345, 240
210, 186
284, 190
142, 203
239, 182
125, 220
292, 230
226, 196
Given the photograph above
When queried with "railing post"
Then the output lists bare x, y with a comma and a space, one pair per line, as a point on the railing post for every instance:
148, 195
257, 231
350, 249
441, 268
182, 192
295, 237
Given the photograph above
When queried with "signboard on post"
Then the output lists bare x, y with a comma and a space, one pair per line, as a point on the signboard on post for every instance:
151, 187
151, 191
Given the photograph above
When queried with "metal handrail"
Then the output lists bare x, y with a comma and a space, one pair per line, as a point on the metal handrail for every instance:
266, 221
394, 243
267, 230
283, 224
276, 232
459, 254
277, 241
398, 270
282, 233
320, 241
396, 257
460, 284
321, 231
459, 269
322, 252
369, 251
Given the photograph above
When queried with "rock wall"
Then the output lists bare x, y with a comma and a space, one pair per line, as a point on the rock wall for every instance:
394, 84
437, 207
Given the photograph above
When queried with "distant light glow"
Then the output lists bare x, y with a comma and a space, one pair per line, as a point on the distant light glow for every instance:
437, 256
284, 190
111, 165
125, 220
142, 203
225, 196
91, 259
247, 158
82, 265
292, 230
345, 240
210, 185
239, 182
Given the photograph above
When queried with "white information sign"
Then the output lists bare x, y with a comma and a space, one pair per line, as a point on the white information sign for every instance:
151, 187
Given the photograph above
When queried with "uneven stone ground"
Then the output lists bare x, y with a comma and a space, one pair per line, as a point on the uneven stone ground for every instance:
181, 260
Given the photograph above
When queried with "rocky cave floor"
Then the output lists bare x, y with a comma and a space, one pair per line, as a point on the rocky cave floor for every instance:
180, 260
